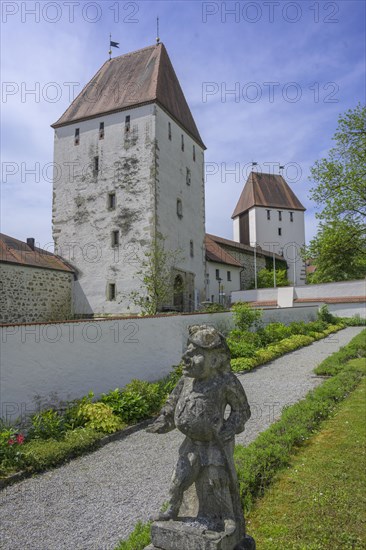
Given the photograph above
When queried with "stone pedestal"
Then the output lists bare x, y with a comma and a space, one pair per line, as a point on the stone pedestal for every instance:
184, 535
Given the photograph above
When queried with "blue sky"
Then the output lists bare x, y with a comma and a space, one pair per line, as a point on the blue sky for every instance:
265, 80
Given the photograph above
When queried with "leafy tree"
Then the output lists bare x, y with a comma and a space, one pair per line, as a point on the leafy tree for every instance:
339, 246
339, 251
265, 278
156, 277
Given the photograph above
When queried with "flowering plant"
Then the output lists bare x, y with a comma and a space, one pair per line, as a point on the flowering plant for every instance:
10, 452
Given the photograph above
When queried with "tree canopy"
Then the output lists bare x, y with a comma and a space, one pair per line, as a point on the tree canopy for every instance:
338, 249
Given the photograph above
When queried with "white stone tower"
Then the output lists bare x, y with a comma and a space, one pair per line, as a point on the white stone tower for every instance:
268, 214
129, 165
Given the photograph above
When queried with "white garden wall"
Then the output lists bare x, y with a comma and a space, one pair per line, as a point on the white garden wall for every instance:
72, 358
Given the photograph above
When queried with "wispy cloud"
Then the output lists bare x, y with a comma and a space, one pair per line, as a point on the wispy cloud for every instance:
319, 56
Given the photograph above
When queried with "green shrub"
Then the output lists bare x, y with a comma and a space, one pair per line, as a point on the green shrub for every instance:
100, 417
274, 332
47, 424
137, 400
325, 315
245, 317
355, 321
42, 454
72, 418
139, 538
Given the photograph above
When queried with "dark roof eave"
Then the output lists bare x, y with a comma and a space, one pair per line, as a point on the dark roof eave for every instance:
120, 109
303, 209
69, 271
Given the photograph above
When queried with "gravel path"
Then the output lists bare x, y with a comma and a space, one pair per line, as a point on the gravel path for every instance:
95, 500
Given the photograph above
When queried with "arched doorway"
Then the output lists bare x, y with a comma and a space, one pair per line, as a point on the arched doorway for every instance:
178, 293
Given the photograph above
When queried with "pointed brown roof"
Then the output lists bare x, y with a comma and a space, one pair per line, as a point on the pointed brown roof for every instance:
136, 78
266, 190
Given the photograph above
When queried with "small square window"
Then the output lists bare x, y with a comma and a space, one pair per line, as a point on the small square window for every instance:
179, 208
96, 164
169, 131
191, 248
217, 274
291, 216
111, 291
115, 238
77, 136
279, 216
112, 201
101, 130
182, 142
268, 214
188, 176
127, 124
229, 275
194, 154
280, 231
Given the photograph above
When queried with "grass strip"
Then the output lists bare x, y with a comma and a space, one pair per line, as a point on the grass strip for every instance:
272, 450
319, 502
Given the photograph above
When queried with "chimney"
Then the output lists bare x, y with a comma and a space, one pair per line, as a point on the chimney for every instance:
30, 242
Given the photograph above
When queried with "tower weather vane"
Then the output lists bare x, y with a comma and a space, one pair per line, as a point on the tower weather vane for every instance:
157, 31
112, 44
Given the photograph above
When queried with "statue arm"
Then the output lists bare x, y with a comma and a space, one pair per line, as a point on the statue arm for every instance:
240, 410
165, 421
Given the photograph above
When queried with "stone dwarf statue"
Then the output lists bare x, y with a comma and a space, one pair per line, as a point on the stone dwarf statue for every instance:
197, 408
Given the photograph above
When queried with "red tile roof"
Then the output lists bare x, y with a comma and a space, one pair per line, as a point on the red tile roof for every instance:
333, 300
243, 247
136, 78
216, 253
269, 190
18, 252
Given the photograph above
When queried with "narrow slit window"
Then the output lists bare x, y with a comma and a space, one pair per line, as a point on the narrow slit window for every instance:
279, 216
217, 274
77, 136
111, 291
291, 216
268, 214
127, 124
194, 154
96, 164
169, 131
188, 176
115, 238
182, 142
101, 130
111, 201
179, 208
229, 275
280, 231
191, 248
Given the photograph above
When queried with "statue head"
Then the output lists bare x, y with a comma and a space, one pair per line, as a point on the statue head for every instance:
207, 353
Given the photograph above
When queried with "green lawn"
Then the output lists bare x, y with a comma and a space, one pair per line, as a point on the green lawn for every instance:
319, 501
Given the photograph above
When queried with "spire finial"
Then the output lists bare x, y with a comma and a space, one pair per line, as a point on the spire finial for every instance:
157, 31
110, 46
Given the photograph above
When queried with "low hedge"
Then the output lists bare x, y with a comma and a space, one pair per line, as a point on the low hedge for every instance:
273, 351
335, 363
38, 454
